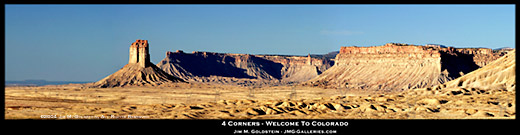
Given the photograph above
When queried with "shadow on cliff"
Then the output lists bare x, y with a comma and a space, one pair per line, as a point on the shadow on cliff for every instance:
457, 63
271, 68
215, 64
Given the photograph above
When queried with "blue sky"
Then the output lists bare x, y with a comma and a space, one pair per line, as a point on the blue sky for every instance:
89, 42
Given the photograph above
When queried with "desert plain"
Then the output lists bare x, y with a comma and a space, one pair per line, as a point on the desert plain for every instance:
202, 101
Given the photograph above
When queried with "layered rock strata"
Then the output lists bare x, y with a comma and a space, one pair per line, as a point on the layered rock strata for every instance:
394, 67
497, 75
242, 69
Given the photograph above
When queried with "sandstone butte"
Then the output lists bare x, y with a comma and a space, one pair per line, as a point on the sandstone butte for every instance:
397, 67
138, 72
242, 69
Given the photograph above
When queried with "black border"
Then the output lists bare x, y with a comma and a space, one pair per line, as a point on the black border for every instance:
365, 126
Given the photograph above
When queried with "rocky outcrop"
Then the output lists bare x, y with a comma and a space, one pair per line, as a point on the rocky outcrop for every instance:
242, 69
297, 68
138, 72
139, 53
497, 75
401, 66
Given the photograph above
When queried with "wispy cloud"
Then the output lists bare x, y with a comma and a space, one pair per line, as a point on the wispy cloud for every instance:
340, 32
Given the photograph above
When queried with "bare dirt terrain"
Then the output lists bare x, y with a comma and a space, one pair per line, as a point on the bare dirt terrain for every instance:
31, 102
201, 101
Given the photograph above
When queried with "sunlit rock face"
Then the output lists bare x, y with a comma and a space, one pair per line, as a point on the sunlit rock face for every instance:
396, 67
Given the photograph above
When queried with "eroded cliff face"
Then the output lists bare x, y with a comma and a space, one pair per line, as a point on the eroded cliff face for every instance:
394, 67
497, 75
242, 69
298, 68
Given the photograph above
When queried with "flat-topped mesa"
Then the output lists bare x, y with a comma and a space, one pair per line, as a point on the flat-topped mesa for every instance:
396, 66
388, 53
139, 53
242, 69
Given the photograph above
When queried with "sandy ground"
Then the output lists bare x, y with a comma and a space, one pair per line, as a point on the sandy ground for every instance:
202, 101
